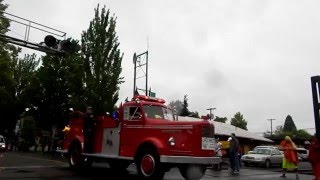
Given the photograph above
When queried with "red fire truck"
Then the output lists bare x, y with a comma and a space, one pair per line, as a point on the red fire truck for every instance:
144, 131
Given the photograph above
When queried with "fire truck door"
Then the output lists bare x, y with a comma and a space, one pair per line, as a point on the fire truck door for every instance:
111, 138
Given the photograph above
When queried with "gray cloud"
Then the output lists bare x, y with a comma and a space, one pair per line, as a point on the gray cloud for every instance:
255, 57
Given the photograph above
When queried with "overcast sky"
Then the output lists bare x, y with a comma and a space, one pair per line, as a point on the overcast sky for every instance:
255, 57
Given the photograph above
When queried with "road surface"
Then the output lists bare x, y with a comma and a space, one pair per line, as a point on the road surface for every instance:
31, 166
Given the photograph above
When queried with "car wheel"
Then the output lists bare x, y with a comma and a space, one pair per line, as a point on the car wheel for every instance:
245, 164
267, 163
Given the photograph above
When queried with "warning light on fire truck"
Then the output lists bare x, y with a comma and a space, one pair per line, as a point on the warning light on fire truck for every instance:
148, 98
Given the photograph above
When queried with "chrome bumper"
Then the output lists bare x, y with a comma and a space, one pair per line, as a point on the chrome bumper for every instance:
190, 160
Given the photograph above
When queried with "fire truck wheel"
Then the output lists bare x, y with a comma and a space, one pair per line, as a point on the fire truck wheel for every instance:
192, 172
75, 158
148, 165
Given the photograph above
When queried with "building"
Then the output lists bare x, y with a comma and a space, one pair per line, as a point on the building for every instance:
223, 131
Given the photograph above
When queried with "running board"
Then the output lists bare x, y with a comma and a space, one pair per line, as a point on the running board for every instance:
98, 155
107, 156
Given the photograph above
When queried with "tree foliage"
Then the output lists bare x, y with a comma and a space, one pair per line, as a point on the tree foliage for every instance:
281, 133
54, 91
185, 111
239, 121
102, 62
176, 106
221, 119
8, 53
289, 125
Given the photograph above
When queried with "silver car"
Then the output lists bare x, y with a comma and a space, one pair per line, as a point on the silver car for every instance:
263, 155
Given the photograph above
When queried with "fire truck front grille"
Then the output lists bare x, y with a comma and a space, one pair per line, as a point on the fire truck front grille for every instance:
208, 131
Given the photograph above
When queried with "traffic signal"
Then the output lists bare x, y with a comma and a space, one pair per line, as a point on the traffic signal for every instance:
64, 46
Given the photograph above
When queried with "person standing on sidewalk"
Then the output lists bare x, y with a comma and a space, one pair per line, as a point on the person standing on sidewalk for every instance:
290, 159
233, 153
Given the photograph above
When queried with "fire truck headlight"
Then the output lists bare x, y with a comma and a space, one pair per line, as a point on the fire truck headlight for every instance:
171, 141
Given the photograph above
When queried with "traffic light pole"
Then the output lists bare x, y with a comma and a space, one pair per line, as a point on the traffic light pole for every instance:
30, 25
315, 85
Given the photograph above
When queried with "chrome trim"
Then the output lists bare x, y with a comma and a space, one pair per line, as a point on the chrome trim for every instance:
98, 155
190, 160
107, 156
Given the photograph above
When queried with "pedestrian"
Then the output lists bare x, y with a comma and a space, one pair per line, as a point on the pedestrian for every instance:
218, 149
231, 159
233, 150
314, 157
239, 155
36, 143
290, 158
233, 154
88, 130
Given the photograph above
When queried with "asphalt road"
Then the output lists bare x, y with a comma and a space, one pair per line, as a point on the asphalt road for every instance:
31, 166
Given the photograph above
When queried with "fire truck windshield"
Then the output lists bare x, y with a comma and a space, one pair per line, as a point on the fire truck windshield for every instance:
158, 112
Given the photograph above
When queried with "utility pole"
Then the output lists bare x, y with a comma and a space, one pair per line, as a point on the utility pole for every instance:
140, 64
271, 124
210, 111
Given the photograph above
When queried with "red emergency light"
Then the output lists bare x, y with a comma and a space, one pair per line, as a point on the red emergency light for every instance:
148, 98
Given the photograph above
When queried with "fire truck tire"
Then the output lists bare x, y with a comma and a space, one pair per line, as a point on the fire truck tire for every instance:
192, 172
148, 165
75, 158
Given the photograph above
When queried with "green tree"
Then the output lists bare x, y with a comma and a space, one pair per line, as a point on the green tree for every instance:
176, 106
7, 83
221, 119
289, 125
194, 114
303, 134
102, 62
239, 121
28, 132
24, 71
185, 111
56, 79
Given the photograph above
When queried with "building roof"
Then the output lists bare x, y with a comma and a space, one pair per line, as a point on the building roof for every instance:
225, 129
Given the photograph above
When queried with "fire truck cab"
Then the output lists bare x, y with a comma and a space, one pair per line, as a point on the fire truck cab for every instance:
145, 132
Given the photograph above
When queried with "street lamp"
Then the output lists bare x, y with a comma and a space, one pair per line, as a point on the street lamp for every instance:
210, 112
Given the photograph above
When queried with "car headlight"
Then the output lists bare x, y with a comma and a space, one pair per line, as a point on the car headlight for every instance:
171, 141
3, 146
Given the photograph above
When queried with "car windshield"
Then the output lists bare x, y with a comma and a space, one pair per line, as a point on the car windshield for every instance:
1, 140
261, 151
158, 112
302, 151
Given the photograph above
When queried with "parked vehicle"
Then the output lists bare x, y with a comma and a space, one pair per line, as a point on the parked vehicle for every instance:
303, 154
264, 156
2, 144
